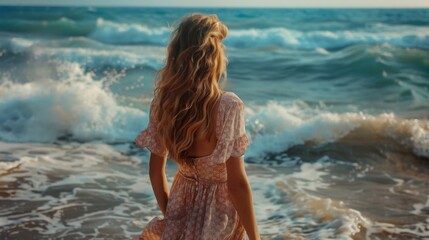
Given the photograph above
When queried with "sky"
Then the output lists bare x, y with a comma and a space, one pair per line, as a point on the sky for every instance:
228, 3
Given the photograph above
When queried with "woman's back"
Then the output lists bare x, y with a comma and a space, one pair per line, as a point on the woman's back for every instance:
202, 146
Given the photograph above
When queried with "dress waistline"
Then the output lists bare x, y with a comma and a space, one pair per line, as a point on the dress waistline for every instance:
199, 180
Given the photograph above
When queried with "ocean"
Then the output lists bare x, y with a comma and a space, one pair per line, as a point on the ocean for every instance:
336, 104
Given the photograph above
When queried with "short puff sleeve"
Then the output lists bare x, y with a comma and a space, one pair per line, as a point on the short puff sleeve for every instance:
148, 137
234, 134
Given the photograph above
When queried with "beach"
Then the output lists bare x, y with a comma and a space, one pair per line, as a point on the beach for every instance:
336, 105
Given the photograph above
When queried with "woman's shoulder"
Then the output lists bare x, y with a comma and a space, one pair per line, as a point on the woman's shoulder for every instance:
231, 98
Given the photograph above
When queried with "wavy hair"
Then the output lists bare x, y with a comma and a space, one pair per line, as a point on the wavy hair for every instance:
187, 87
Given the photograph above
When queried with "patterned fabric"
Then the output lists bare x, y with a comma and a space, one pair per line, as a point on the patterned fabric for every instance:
148, 137
199, 206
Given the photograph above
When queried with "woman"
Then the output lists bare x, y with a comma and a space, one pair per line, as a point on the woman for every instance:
202, 128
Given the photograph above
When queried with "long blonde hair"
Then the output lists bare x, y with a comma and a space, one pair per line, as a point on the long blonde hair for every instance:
187, 87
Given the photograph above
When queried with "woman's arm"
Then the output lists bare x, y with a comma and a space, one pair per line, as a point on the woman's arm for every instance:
158, 180
241, 195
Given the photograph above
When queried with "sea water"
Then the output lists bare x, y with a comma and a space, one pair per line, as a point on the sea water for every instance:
336, 104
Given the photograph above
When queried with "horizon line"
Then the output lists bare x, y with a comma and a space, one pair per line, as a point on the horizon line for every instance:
251, 7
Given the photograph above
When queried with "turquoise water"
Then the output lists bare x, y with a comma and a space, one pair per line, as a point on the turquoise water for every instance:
337, 106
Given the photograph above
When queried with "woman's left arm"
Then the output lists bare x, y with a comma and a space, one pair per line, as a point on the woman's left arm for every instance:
158, 180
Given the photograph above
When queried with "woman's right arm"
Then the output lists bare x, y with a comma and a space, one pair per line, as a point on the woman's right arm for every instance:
241, 195
158, 180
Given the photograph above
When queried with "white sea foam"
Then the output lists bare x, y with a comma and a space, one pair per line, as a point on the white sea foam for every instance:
276, 128
417, 36
282, 202
74, 183
310, 176
16, 44
148, 56
75, 105
86, 52
114, 32
321, 51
